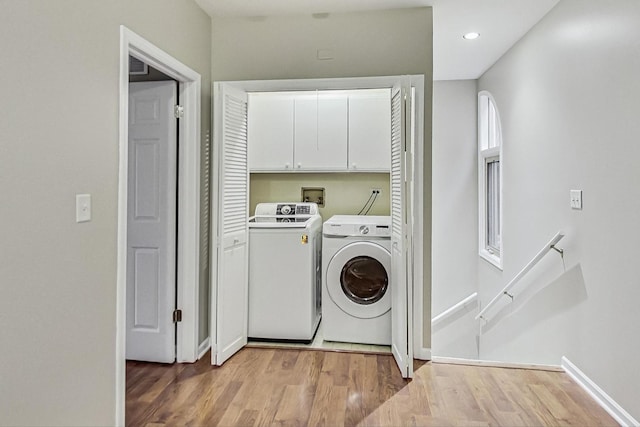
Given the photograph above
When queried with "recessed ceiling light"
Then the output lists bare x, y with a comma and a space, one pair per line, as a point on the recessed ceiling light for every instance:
471, 36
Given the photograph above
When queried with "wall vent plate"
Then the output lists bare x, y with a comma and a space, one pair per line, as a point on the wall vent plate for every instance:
313, 195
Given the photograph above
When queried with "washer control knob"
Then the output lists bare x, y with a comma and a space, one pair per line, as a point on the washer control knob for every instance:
285, 210
364, 229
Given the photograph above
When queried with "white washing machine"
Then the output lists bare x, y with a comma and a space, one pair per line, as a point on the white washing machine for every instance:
285, 244
356, 266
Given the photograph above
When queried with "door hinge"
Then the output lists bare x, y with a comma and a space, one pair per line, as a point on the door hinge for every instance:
177, 316
178, 111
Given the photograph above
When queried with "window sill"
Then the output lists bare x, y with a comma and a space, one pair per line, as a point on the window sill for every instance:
491, 258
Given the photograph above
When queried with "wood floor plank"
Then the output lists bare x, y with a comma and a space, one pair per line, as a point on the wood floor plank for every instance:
284, 387
219, 408
356, 409
213, 389
247, 418
296, 405
270, 407
459, 400
336, 367
179, 396
248, 397
329, 406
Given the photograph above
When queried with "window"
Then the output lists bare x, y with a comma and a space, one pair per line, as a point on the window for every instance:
489, 179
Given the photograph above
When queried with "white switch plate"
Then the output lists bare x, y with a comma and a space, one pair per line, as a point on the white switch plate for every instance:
83, 207
576, 199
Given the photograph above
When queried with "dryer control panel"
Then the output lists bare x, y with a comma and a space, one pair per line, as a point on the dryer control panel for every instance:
358, 225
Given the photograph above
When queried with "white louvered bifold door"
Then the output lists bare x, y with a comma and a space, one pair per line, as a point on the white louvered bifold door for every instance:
232, 208
401, 276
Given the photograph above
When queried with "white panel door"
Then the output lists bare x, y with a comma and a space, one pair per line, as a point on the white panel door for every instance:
401, 252
230, 299
270, 131
369, 130
320, 131
151, 222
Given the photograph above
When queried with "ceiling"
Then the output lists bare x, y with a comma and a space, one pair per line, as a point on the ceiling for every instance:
500, 23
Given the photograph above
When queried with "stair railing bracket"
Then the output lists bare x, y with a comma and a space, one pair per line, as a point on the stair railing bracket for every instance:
560, 251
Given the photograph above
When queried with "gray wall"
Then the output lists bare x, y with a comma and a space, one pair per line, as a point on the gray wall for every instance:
569, 98
455, 217
378, 43
59, 137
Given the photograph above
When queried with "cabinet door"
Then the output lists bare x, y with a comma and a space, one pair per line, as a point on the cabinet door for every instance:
370, 130
321, 131
270, 131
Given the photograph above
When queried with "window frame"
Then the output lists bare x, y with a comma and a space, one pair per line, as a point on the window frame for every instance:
490, 145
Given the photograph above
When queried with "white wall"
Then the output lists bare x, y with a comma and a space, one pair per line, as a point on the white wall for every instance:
455, 218
569, 98
59, 64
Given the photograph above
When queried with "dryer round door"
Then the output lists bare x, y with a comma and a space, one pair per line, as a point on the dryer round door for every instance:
358, 280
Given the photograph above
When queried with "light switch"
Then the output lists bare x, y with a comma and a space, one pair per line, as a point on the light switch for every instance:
83, 207
576, 199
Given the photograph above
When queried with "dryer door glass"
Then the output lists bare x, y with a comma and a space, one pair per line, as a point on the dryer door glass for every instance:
364, 280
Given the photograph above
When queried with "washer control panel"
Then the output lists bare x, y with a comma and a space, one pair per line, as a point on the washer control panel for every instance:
286, 209
297, 209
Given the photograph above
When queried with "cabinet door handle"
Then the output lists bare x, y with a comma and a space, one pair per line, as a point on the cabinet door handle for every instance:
353, 165
286, 165
299, 165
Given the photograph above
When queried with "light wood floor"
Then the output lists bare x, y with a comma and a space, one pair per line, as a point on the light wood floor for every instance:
262, 387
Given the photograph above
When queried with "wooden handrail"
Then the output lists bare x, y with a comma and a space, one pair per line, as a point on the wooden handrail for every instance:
505, 291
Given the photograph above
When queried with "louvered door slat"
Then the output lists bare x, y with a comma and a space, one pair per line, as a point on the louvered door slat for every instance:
396, 170
235, 164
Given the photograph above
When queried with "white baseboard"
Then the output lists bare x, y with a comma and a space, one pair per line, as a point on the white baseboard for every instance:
599, 395
495, 364
422, 354
204, 347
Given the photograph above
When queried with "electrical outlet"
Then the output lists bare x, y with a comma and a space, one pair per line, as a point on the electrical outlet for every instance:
576, 199
377, 191
83, 207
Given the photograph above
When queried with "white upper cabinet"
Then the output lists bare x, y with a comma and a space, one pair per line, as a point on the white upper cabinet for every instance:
320, 131
370, 130
270, 131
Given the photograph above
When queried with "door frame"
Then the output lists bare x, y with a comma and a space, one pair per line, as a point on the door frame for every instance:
417, 169
188, 221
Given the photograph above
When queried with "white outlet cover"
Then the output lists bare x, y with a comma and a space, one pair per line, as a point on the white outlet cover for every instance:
576, 199
83, 207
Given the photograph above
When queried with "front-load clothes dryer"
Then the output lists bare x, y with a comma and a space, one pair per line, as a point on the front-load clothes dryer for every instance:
356, 266
285, 243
